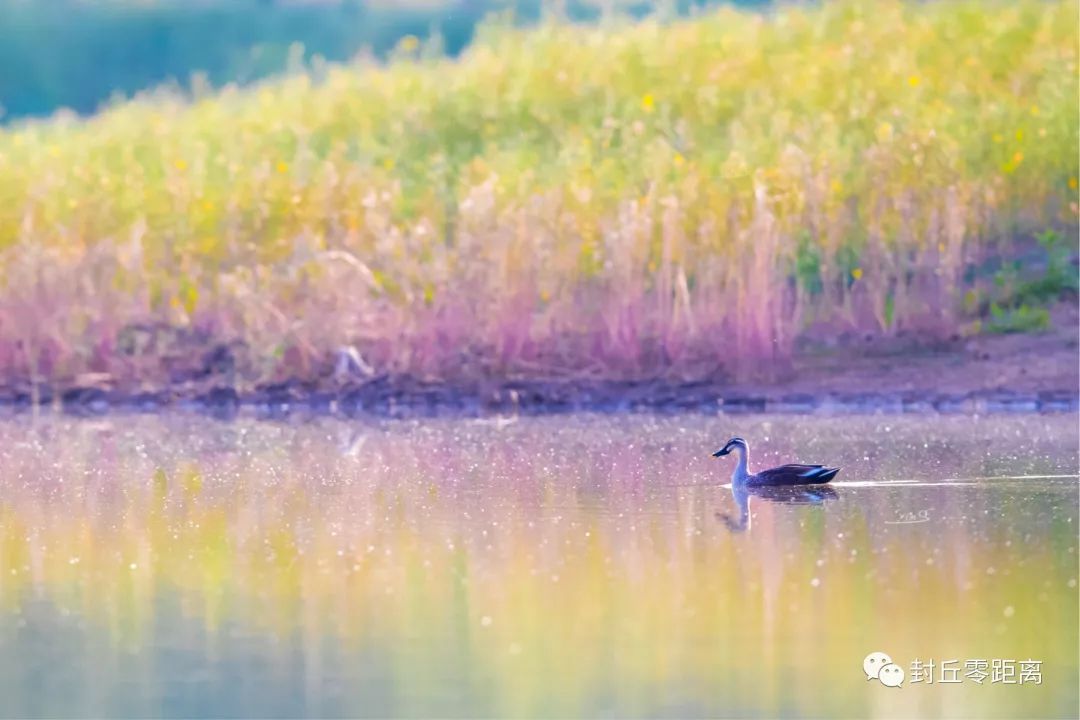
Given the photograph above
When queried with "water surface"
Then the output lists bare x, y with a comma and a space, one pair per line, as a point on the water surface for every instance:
567, 566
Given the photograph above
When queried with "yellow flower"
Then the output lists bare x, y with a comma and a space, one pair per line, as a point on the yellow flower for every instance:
647, 102
1034, 109
180, 165
1072, 183
913, 81
857, 273
679, 160
884, 132
388, 163
1019, 136
1018, 157
282, 167
409, 43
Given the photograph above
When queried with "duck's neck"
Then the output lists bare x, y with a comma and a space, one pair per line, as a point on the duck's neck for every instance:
741, 469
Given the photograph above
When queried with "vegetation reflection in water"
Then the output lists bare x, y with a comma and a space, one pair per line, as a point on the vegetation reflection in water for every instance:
556, 566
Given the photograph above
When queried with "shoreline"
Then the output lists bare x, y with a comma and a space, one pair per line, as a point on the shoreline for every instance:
387, 397
1022, 373
430, 401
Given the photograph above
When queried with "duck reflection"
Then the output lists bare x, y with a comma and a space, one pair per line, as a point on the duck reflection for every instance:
782, 494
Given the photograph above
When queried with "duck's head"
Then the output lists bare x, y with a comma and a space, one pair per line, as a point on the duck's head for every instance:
732, 444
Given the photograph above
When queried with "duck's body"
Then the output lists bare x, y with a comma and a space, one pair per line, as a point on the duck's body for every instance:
785, 475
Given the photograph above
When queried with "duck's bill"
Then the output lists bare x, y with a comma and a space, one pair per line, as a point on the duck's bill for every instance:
721, 452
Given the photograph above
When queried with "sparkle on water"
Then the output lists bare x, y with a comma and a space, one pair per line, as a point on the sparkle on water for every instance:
576, 565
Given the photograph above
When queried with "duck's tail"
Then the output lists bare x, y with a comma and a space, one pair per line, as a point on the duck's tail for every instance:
822, 475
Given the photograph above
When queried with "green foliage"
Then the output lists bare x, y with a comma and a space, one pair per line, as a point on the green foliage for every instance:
1035, 281
1023, 318
566, 195
808, 265
1060, 274
77, 55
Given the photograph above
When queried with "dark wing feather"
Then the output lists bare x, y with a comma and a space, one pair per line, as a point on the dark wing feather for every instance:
794, 475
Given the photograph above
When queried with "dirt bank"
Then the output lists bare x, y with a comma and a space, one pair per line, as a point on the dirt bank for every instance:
1035, 372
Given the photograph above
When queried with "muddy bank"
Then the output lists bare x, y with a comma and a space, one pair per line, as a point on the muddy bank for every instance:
987, 374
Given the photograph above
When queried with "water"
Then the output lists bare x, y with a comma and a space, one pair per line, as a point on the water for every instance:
566, 566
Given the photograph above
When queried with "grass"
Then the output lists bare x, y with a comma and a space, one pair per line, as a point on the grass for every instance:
621, 200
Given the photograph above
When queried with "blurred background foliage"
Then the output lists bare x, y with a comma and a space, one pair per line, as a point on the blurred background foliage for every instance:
76, 54
664, 196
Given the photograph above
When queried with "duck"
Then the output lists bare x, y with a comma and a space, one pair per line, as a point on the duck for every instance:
785, 475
